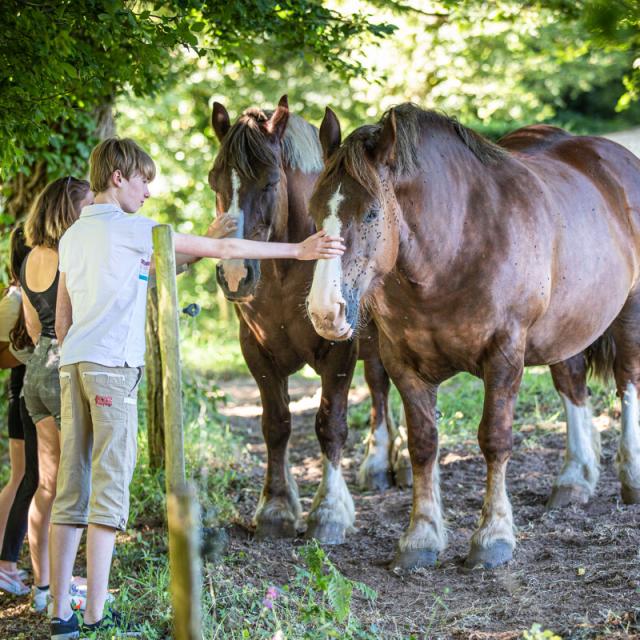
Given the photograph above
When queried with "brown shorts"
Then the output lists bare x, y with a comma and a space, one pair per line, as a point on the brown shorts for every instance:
99, 419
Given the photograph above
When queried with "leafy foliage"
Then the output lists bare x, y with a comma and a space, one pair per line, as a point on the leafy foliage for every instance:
612, 26
60, 61
321, 577
536, 633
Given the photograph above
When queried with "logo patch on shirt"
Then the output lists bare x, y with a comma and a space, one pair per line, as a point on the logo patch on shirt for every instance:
144, 269
104, 401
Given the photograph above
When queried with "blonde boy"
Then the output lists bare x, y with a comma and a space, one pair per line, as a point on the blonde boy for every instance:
105, 259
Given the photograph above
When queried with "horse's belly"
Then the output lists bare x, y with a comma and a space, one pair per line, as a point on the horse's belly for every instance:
563, 332
589, 285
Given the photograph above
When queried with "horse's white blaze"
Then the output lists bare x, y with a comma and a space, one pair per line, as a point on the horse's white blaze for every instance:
234, 207
582, 457
628, 458
333, 502
376, 459
326, 288
235, 270
426, 530
496, 521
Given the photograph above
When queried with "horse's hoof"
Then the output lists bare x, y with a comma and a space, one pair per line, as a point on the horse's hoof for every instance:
567, 495
377, 481
500, 552
404, 477
630, 495
326, 532
269, 530
414, 559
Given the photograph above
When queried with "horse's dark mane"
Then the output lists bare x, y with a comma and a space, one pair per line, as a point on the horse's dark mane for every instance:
246, 146
411, 120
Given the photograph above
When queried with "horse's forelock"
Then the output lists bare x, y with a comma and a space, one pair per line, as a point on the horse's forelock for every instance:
353, 158
256, 114
247, 145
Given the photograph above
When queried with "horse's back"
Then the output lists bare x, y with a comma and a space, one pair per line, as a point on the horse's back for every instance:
533, 138
602, 171
598, 166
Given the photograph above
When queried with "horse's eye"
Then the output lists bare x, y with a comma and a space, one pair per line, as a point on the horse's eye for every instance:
371, 215
270, 186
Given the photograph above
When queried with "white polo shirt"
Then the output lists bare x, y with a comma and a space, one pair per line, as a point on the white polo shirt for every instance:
105, 256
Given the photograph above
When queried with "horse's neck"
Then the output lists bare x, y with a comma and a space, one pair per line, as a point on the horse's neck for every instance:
437, 206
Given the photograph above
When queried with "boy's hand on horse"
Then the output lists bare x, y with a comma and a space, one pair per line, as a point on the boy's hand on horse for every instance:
320, 245
222, 226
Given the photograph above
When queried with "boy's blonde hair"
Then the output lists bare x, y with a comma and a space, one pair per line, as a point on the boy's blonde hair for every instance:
55, 209
118, 154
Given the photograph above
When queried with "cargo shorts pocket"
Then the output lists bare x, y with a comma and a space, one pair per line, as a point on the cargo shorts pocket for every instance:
106, 393
66, 398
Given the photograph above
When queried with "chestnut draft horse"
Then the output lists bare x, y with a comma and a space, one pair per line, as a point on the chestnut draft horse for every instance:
263, 175
484, 258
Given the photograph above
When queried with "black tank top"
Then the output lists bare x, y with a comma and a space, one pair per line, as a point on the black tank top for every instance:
44, 302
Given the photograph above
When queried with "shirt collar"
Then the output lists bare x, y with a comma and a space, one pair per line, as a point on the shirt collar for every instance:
99, 209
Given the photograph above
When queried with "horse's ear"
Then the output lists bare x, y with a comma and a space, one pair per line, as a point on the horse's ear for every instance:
385, 150
220, 121
277, 123
330, 134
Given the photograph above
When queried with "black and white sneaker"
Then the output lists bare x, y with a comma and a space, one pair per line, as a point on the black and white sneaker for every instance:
65, 629
114, 622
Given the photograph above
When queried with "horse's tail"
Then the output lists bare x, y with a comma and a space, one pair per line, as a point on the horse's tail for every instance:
600, 357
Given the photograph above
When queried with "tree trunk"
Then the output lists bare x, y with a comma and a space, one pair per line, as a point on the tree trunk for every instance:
23, 189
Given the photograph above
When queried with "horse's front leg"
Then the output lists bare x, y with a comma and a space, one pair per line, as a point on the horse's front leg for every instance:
579, 475
278, 514
426, 537
493, 542
332, 513
375, 472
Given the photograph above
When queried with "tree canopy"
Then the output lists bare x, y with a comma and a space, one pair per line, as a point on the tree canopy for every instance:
61, 60
65, 63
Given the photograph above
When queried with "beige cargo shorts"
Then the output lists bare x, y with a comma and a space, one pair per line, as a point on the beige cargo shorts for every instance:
99, 425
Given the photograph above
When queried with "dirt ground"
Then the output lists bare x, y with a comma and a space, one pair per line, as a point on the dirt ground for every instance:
575, 571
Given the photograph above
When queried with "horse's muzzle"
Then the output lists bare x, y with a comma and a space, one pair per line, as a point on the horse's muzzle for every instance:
245, 285
330, 321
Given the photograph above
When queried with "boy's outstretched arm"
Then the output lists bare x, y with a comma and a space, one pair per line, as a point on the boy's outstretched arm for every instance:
63, 309
221, 227
315, 247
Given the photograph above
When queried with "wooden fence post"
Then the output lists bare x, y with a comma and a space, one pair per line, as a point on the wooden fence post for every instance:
168, 331
185, 563
153, 366
183, 511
